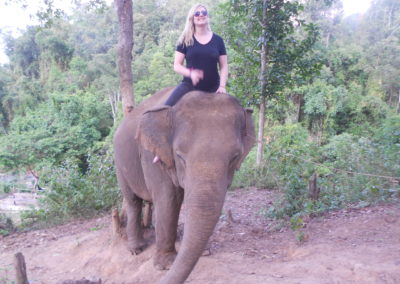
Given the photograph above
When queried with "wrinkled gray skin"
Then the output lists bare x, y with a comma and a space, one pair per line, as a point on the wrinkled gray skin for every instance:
200, 141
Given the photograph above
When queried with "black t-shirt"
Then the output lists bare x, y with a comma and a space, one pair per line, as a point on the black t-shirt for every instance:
204, 57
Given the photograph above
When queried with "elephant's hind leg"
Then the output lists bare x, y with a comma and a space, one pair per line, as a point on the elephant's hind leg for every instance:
134, 230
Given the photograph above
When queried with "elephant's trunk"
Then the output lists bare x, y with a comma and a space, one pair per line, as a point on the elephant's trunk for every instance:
204, 205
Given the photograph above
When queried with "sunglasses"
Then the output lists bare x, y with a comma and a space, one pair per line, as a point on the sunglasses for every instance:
198, 13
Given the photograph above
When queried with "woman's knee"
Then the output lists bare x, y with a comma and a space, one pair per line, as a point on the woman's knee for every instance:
178, 93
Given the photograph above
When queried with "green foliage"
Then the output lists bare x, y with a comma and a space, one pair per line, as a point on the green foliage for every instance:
381, 35
350, 161
66, 126
321, 104
388, 134
289, 153
286, 167
153, 71
5, 187
56, 91
55, 48
72, 194
251, 175
369, 114
6, 225
287, 39
351, 171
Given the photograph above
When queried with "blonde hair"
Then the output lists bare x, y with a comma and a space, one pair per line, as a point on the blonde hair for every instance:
186, 37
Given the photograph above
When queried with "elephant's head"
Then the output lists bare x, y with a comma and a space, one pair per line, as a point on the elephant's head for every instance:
200, 141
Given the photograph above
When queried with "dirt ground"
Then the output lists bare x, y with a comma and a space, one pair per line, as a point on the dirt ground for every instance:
348, 246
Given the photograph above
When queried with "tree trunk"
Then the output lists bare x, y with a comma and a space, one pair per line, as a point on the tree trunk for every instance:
20, 269
260, 139
125, 45
114, 98
313, 190
264, 66
328, 38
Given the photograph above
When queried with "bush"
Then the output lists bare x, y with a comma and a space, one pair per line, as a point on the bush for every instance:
252, 175
284, 168
358, 168
5, 187
351, 170
70, 193
6, 225
388, 135
287, 155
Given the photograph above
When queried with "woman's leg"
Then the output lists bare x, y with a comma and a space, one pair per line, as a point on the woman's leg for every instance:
175, 96
178, 93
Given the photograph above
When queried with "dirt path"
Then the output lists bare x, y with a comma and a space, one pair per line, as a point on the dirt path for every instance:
350, 246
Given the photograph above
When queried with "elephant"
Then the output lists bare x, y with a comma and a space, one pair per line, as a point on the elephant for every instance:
199, 142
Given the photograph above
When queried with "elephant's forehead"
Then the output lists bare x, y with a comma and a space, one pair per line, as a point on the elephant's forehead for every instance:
201, 101
207, 106
201, 113
208, 119
208, 126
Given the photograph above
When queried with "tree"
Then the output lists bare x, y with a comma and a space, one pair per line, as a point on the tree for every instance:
266, 36
125, 46
64, 126
381, 35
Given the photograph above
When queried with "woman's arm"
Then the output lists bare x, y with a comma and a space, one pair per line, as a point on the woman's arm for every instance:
195, 74
223, 73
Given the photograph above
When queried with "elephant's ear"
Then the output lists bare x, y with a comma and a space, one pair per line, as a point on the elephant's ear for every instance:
248, 134
155, 133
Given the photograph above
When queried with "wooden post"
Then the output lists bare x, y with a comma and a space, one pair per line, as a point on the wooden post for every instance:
230, 217
313, 190
20, 269
116, 224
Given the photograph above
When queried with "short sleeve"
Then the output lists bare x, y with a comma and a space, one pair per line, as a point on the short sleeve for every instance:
181, 48
222, 49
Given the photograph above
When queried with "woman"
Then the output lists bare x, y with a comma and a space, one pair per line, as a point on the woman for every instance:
203, 51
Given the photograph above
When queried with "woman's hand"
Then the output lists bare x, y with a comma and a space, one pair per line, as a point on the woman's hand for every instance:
221, 90
196, 75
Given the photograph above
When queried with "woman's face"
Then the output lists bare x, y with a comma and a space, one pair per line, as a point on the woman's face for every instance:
200, 16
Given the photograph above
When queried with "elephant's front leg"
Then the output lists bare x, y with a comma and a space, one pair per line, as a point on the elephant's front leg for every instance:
167, 214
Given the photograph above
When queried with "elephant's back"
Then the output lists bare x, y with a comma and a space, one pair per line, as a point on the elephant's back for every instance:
158, 99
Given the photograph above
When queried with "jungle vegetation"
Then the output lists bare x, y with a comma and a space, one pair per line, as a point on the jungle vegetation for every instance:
325, 89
